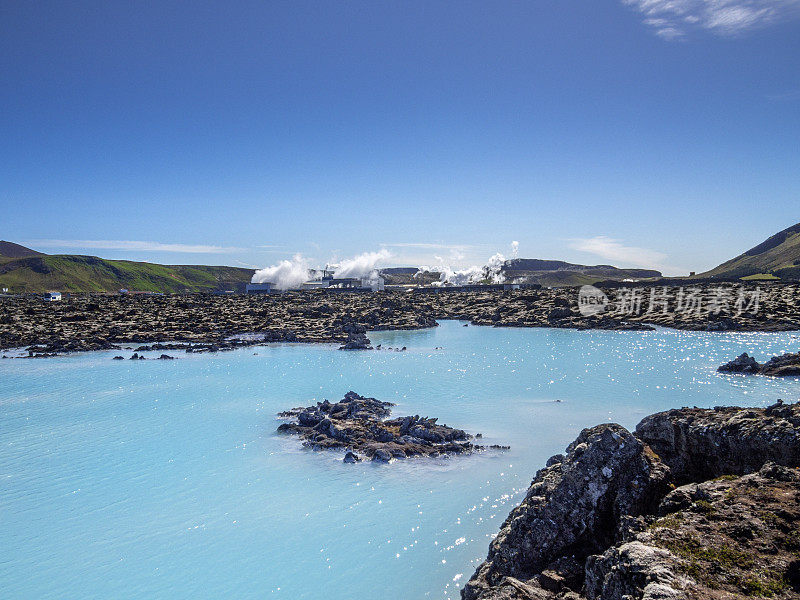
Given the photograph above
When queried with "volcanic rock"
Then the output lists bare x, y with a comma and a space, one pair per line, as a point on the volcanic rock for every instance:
744, 363
360, 424
356, 341
351, 457
601, 523
209, 323
785, 365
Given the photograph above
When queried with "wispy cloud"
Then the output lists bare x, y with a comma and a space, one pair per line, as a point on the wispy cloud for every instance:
619, 254
430, 246
674, 19
424, 252
790, 95
133, 246
248, 265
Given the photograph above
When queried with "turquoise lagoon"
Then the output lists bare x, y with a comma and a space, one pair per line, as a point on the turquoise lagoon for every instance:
166, 479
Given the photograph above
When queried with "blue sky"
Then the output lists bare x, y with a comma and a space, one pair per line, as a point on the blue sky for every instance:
638, 132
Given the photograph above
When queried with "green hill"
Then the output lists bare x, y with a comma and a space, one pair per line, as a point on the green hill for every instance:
76, 273
778, 256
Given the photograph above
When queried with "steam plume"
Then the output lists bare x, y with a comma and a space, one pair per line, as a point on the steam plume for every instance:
361, 266
491, 271
286, 274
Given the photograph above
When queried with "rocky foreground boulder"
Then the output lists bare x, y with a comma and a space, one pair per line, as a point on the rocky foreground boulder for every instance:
726, 538
699, 444
606, 520
360, 426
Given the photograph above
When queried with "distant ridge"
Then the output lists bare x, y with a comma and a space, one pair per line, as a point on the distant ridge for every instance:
408, 276
12, 250
778, 256
560, 273
533, 270
24, 270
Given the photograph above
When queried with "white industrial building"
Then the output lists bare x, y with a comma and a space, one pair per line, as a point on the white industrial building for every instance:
328, 282
376, 284
261, 288
352, 284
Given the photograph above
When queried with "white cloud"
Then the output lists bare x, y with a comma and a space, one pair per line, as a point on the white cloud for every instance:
790, 95
621, 255
133, 246
669, 33
451, 256
248, 265
673, 19
430, 246
415, 253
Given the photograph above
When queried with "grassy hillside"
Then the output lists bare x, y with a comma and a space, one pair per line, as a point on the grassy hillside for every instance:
75, 273
778, 256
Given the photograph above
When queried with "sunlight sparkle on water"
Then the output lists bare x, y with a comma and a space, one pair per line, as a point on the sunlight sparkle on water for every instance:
166, 479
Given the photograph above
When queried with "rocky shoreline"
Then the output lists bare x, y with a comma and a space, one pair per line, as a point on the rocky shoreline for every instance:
361, 426
695, 504
202, 322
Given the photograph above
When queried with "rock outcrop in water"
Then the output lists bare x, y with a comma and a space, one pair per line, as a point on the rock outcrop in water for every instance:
359, 424
356, 338
786, 365
605, 521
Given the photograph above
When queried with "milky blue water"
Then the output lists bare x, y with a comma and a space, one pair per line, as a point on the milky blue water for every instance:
165, 479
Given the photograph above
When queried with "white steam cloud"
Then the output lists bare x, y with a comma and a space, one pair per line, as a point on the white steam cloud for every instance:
491, 271
287, 274
361, 266
493, 268
291, 274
